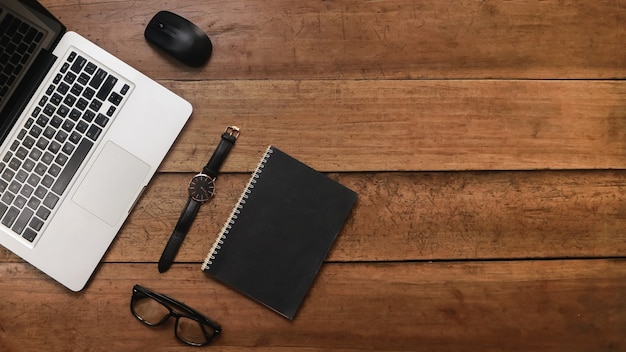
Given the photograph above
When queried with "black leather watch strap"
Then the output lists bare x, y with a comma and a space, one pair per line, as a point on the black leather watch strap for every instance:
180, 231
229, 137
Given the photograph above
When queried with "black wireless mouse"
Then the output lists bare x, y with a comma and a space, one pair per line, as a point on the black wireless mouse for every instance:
180, 38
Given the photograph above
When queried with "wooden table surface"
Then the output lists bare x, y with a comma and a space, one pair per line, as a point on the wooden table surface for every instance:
486, 140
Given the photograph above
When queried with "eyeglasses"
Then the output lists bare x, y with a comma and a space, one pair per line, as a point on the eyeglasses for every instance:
154, 309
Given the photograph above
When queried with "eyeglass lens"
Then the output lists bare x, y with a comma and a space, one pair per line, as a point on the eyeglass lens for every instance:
191, 331
150, 311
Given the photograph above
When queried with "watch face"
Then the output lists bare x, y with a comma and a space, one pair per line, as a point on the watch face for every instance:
201, 188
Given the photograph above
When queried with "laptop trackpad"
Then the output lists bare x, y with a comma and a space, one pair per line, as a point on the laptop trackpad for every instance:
112, 183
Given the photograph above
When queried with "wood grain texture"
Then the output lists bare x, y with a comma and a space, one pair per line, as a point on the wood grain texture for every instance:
486, 141
410, 125
421, 216
400, 39
491, 306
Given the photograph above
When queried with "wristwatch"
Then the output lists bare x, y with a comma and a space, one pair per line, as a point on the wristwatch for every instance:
201, 189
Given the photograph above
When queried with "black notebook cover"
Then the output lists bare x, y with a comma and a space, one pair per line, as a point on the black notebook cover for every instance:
280, 232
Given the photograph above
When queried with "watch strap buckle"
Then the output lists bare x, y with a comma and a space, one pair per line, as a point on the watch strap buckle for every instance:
232, 131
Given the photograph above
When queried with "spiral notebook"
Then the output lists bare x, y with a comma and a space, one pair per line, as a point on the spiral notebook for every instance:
280, 232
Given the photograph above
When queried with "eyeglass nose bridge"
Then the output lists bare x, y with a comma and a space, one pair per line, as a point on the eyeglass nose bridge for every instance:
166, 317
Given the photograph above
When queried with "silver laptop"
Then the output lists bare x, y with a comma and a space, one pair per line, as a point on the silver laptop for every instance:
82, 133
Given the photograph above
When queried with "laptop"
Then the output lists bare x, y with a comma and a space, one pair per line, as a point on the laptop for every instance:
81, 133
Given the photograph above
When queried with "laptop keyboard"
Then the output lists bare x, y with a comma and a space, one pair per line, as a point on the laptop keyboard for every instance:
68, 120
18, 41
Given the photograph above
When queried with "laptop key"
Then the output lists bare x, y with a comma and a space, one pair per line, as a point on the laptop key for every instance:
83, 79
41, 192
90, 68
78, 64
93, 132
30, 36
72, 166
102, 120
43, 213
15, 187
8, 197
56, 99
98, 78
51, 200
47, 181
8, 175
115, 99
49, 110
107, 87
29, 235
36, 223
22, 221
19, 202
10, 216
63, 88
3, 209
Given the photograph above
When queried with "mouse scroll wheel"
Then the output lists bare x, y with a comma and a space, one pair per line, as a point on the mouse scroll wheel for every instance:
161, 25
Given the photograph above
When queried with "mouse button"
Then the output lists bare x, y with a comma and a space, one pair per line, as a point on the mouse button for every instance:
158, 24
166, 17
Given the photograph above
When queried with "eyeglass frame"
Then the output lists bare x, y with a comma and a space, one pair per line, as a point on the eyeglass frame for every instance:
168, 302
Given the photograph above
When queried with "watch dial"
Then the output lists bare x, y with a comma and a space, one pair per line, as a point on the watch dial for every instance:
201, 188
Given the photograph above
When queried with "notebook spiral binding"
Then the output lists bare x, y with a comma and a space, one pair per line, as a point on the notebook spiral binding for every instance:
223, 234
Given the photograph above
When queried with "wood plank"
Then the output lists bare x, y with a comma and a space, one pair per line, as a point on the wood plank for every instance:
417, 216
401, 39
411, 125
491, 306
421, 216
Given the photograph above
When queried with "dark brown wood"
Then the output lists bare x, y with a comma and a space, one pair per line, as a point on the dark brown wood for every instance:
488, 306
411, 125
486, 141
400, 39
422, 216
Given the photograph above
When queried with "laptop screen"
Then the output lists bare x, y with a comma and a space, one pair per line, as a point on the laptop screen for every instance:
28, 33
